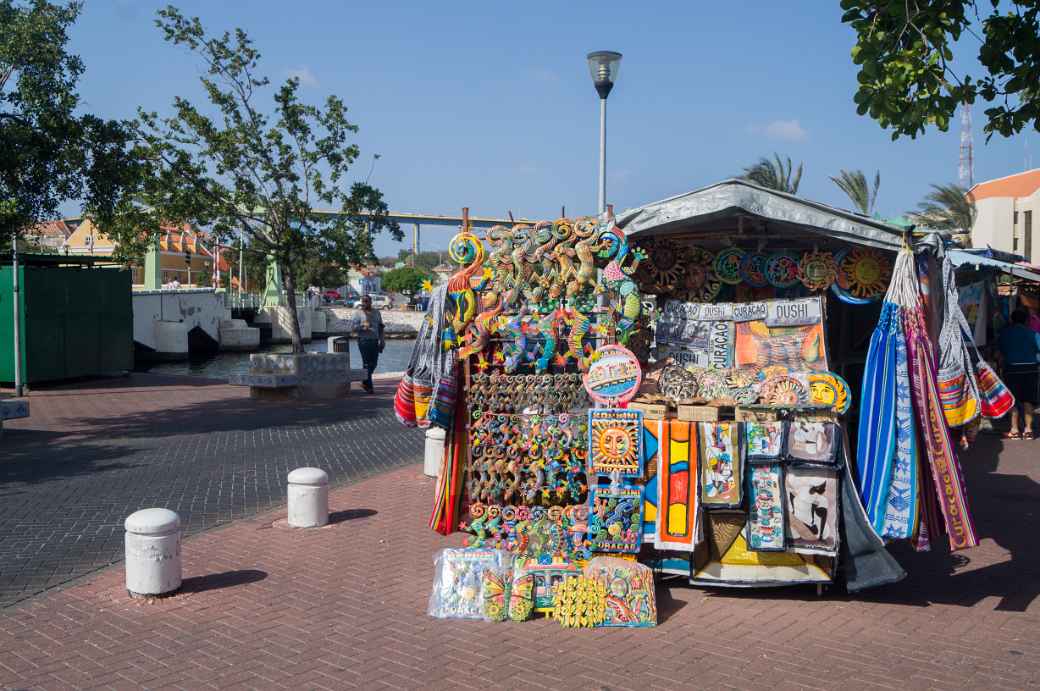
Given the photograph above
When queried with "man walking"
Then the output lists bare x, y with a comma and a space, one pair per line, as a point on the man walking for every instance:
370, 338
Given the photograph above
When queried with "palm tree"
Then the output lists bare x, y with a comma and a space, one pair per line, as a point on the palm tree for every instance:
946, 207
854, 184
776, 174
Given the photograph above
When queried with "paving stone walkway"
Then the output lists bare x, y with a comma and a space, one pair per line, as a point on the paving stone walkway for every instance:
91, 454
344, 607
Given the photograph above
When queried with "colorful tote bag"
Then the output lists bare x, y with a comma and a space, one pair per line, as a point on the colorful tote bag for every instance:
996, 398
955, 377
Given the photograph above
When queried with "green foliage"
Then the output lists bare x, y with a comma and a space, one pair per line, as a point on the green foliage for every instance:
241, 171
904, 51
424, 260
776, 174
854, 184
48, 153
405, 280
946, 207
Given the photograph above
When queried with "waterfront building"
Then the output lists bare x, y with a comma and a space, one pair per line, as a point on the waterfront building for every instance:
1007, 211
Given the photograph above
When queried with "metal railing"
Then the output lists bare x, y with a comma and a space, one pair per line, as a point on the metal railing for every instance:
234, 300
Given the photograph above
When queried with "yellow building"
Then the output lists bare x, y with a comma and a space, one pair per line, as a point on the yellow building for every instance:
186, 254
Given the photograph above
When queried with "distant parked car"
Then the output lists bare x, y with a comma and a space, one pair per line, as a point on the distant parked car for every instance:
379, 301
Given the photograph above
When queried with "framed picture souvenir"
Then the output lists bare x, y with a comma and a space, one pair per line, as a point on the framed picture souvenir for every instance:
766, 531
764, 441
812, 441
615, 442
615, 518
720, 460
812, 509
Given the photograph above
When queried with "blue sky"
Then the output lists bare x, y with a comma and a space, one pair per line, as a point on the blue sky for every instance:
490, 105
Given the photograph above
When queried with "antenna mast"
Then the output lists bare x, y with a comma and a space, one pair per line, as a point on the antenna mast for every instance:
966, 169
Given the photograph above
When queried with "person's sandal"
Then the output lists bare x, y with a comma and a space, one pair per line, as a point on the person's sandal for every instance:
1012, 435
1027, 435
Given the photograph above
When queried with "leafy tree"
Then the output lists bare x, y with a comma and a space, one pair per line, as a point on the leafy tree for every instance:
424, 260
854, 184
946, 207
48, 153
775, 174
243, 172
405, 280
904, 51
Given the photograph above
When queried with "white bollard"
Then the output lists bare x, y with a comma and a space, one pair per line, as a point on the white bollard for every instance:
308, 498
434, 451
153, 552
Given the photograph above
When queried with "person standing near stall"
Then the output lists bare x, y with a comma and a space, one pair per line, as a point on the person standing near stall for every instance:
370, 338
1020, 352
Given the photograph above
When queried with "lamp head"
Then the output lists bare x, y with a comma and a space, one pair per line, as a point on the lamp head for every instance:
603, 67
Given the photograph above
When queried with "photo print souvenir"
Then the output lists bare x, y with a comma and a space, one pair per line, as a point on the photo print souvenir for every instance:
764, 441
721, 476
765, 526
615, 442
811, 504
812, 441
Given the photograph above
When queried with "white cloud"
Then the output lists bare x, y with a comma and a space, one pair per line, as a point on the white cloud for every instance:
783, 130
304, 74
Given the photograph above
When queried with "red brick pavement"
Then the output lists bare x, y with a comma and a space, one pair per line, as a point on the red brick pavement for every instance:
344, 606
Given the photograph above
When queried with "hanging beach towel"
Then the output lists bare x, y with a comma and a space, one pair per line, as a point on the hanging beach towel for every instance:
876, 442
955, 377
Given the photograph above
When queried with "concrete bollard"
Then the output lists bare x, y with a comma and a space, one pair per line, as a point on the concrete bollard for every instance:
153, 552
308, 498
434, 451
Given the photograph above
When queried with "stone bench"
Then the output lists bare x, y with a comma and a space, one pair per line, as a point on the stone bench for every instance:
315, 376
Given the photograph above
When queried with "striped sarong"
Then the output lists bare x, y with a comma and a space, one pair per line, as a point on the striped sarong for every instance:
935, 436
901, 505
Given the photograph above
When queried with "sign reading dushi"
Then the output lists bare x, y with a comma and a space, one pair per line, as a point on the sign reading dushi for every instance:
614, 375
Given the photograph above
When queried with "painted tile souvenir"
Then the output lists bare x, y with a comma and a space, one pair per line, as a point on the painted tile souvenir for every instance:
457, 579
812, 441
545, 578
615, 518
763, 440
629, 589
720, 474
654, 436
765, 526
811, 504
615, 442
677, 488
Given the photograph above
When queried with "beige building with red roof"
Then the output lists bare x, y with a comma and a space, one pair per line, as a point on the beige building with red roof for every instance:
1007, 213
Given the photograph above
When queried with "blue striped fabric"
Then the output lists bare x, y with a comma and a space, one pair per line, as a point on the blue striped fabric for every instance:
876, 444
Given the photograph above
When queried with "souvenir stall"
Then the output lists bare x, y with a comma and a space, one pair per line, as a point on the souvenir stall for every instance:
676, 391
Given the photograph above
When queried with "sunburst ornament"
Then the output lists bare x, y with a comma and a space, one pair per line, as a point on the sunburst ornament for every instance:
614, 442
865, 272
783, 391
817, 270
700, 283
829, 389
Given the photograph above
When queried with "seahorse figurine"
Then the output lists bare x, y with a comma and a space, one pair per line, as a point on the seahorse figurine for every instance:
579, 326
479, 331
586, 272
465, 249
515, 346
547, 328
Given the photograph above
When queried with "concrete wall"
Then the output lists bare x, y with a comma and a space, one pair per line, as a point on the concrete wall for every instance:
340, 320
998, 226
163, 318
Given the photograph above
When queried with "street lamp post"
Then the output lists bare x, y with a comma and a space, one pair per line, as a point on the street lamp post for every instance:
603, 66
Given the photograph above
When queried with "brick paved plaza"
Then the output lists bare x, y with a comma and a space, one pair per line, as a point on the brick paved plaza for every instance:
92, 454
344, 606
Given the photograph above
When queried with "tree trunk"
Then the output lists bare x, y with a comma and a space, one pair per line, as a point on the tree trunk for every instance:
290, 290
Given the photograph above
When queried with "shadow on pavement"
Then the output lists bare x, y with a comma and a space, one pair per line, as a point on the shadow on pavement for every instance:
350, 515
217, 581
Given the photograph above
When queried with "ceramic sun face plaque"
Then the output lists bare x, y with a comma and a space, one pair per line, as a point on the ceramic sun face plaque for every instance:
614, 375
615, 442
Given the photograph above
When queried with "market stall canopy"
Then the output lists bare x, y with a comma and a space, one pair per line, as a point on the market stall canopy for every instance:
983, 259
758, 211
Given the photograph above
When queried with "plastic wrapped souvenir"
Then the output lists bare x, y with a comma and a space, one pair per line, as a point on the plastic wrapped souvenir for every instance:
629, 591
458, 581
